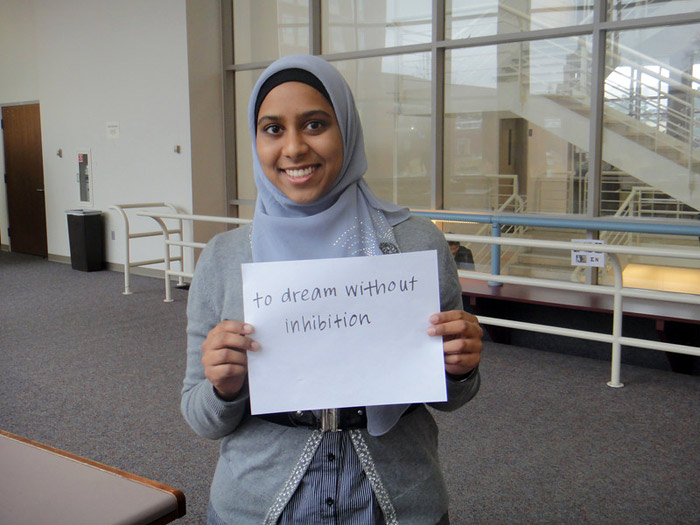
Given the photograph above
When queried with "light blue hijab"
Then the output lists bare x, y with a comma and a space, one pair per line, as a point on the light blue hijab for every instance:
348, 221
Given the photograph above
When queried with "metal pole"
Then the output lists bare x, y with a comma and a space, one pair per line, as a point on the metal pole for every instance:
437, 131
595, 139
617, 325
164, 227
495, 253
127, 264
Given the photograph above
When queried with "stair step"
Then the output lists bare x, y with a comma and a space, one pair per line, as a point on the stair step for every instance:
561, 259
541, 271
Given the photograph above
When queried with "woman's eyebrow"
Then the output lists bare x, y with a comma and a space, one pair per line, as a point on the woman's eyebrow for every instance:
301, 116
315, 112
267, 117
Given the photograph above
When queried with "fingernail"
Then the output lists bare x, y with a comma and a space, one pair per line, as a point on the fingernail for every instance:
431, 331
248, 328
255, 346
434, 318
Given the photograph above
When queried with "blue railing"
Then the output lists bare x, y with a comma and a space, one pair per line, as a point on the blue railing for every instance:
595, 224
618, 291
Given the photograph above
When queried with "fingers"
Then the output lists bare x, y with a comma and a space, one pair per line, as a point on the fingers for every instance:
224, 356
452, 315
461, 364
462, 354
455, 322
230, 334
461, 336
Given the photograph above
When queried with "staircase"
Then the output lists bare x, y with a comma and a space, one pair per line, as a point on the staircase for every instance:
544, 263
651, 113
651, 138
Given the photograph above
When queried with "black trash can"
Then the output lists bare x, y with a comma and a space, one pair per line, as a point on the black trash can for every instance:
86, 238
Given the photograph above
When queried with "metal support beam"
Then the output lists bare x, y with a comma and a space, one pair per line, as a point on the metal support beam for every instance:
437, 132
595, 141
315, 36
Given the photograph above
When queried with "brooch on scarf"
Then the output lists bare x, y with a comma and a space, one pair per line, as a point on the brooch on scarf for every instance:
387, 247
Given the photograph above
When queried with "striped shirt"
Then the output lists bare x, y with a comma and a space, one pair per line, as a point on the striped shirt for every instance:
334, 489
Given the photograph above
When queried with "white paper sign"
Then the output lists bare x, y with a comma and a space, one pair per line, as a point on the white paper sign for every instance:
112, 129
586, 258
343, 332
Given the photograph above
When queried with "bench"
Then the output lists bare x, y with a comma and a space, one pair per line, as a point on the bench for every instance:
673, 322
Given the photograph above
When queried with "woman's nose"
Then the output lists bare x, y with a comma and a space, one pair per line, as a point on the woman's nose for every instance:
294, 145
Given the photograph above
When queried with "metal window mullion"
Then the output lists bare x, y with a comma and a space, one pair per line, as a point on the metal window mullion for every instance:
595, 140
500, 38
490, 40
518, 37
651, 22
438, 128
595, 129
315, 40
437, 121
229, 104
349, 55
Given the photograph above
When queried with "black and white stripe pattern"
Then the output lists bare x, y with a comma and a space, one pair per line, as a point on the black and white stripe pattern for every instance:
335, 488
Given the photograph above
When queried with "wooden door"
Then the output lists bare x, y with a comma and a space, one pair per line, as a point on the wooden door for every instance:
24, 176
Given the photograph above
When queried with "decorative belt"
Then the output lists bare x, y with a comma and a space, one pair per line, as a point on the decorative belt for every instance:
339, 419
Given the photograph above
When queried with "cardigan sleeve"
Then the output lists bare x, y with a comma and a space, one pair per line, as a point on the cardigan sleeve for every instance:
213, 286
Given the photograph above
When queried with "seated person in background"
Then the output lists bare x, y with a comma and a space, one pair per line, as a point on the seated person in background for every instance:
463, 256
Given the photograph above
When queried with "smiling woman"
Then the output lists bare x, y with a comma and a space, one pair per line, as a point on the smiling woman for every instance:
369, 465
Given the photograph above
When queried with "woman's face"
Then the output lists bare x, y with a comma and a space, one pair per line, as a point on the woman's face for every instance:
299, 142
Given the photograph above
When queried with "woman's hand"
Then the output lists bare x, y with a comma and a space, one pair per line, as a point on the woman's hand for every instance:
224, 356
461, 336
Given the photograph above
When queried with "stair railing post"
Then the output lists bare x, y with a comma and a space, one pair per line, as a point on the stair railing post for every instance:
495, 252
616, 358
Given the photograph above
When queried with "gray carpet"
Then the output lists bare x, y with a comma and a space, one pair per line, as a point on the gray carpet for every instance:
91, 371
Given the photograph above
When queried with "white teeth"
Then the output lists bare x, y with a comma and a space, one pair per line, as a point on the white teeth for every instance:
300, 173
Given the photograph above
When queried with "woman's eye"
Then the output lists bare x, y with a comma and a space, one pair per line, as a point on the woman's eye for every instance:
273, 129
314, 125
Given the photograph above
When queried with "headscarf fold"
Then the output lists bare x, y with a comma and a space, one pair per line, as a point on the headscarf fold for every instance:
347, 221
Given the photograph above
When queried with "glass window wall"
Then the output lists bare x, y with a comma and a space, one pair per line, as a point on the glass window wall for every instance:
269, 30
651, 138
517, 127
626, 10
469, 19
368, 24
532, 118
393, 99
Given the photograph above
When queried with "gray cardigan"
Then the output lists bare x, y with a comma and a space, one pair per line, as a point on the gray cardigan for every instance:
261, 463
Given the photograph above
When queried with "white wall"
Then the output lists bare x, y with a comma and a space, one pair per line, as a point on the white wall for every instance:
93, 63
18, 72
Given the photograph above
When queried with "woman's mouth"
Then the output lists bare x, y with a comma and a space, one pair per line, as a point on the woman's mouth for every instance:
300, 174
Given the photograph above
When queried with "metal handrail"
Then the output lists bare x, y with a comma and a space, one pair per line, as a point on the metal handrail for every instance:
168, 242
618, 291
615, 338
595, 224
128, 235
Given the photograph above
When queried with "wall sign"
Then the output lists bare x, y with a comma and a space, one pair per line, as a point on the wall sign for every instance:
588, 258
